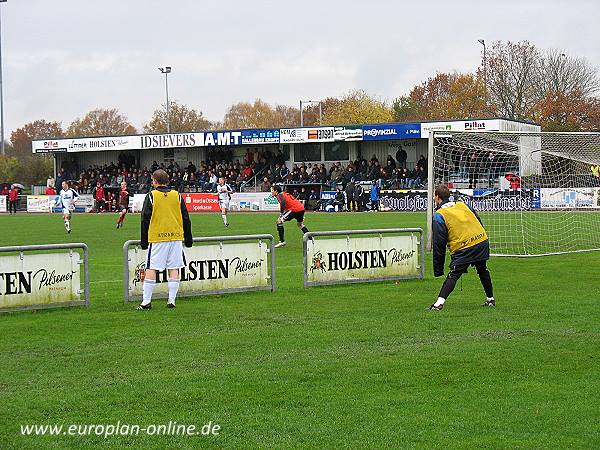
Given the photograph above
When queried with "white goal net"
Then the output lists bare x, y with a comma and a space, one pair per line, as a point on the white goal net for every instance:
536, 193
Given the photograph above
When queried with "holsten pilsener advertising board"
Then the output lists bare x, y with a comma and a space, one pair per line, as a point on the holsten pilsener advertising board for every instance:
209, 268
45, 279
345, 259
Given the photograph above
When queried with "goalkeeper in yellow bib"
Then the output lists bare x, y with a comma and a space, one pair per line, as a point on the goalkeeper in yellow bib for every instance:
165, 224
458, 227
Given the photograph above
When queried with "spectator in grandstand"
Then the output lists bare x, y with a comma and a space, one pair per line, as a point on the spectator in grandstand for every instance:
165, 224
418, 177
50, 190
291, 208
374, 170
284, 172
335, 173
390, 164
303, 176
459, 228
13, 198
50, 181
401, 157
514, 180
473, 169
212, 181
265, 186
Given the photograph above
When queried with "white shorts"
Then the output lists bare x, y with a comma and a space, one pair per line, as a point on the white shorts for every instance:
165, 255
67, 211
224, 204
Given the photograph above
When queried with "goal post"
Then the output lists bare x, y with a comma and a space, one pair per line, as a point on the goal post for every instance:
537, 193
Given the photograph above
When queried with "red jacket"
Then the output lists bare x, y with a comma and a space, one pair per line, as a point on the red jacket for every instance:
13, 195
99, 193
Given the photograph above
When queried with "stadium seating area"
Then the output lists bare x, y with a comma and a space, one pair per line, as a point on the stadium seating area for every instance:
251, 173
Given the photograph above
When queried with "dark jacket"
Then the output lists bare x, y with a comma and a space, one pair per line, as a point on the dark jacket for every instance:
147, 215
470, 255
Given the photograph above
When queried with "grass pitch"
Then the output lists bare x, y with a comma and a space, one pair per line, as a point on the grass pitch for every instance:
357, 366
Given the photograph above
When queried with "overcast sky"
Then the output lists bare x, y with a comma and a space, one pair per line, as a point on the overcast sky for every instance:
63, 58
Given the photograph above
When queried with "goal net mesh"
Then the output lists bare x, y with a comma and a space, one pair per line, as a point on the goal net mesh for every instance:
536, 193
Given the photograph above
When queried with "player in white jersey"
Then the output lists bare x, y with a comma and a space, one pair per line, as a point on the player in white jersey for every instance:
68, 198
224, 193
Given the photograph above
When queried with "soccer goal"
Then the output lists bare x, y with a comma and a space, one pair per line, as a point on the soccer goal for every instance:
537, 193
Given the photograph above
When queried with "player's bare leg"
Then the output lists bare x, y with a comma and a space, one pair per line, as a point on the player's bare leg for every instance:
67, 220
224, 216
121, 218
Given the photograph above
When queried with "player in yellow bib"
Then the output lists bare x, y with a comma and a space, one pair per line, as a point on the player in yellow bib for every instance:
165, 224
458, 227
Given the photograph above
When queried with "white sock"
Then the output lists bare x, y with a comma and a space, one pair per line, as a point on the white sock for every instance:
173, 288
490, 299
440, 301
148, 290
67, 224
224, 216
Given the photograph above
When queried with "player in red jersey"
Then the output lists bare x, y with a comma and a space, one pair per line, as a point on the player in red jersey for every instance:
291, 208
123, 204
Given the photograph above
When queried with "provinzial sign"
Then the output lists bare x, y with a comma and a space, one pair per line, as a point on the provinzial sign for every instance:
209, 268
31, 280
344, 259
391, 131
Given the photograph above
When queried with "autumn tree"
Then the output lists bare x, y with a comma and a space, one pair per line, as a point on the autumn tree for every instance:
10, 169
32, 168
286, 116
445, 96
356, 107
514, 79
181, 119
568, 101
250, 115
405, 109
572, 111
39, 129
101, 122
565, 74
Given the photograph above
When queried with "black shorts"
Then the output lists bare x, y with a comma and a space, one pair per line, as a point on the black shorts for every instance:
125, 207
464, 268
289, 215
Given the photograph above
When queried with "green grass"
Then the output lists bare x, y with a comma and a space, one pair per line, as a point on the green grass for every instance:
357, 366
